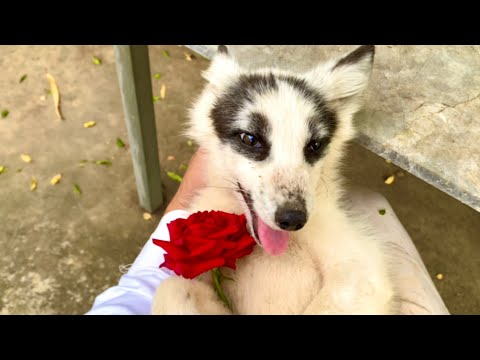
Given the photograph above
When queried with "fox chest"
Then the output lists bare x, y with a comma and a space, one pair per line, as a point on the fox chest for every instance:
265, 284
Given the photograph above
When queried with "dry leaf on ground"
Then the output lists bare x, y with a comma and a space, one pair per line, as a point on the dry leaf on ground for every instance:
33, 184
163, 91
56, 179
55, 94
389, 180
103, 162
89, 124
147, 216
76, 189
26, 158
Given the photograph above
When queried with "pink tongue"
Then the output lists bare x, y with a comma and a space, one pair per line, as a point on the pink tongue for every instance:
274, 242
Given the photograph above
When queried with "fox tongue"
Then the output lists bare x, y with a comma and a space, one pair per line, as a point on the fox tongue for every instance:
274, 242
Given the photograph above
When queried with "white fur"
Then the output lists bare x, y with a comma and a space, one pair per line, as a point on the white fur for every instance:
333, 265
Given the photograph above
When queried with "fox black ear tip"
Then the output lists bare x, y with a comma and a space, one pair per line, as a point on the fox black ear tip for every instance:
360, 53
222, 49
369, 49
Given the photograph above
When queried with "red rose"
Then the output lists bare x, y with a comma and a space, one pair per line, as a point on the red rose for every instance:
205, 241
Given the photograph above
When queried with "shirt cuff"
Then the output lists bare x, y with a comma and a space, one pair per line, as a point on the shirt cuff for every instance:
134, 293
151, 254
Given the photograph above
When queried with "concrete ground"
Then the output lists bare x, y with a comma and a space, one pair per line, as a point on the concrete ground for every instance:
60, 249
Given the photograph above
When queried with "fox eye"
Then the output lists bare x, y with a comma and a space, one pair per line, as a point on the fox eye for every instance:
315, 145
250, 140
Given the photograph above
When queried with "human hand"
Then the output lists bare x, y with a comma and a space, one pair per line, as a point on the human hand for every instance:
193, 180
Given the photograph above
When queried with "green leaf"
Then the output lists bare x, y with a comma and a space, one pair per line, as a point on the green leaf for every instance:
2, 169
382, 211
165, 53
96, 60
76, 189
103, 162
157, 76
156, 98
183, 167
5, 113
120, 143
174, 176
23, 78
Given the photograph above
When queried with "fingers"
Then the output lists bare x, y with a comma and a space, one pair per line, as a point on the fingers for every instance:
195, 175
193, 180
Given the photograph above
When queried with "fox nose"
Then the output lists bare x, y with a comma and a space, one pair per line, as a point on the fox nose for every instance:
290, 219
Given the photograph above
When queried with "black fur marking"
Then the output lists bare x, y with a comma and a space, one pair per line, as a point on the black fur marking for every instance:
312, 156
244, 90
227, 107
321, 108
222, 49
323, 115
357, 55
260, 128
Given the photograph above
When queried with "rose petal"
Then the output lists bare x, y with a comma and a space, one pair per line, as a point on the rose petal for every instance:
229, 230
203, 229
168, 262
244, 252
206, 240
175, 252
204, 249
198, 217
215, 249
245, 241
230, 263
176, 229
229, 245
245, 244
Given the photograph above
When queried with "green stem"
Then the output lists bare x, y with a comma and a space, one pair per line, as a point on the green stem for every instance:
216, 276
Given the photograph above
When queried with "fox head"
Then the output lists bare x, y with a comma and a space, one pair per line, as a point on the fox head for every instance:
278, 136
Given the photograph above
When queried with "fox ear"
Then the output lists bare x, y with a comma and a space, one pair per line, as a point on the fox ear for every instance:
222, 49
346, 78
222, 69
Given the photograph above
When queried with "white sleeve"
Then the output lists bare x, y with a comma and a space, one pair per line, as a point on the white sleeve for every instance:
134, 293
